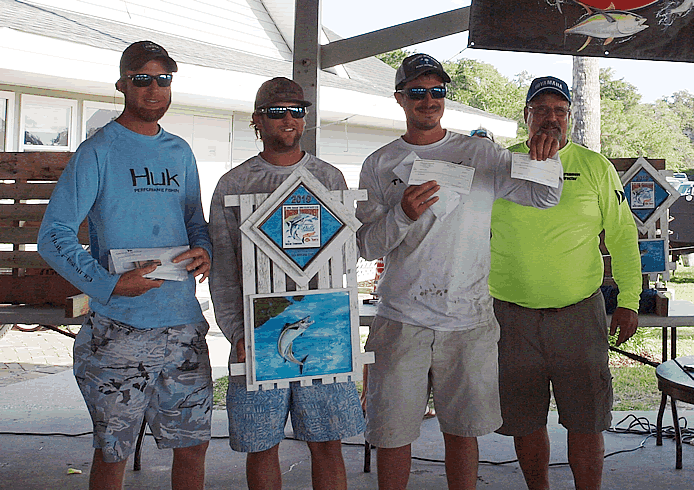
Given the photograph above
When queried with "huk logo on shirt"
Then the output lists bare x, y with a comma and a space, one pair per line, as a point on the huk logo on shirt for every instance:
147, 181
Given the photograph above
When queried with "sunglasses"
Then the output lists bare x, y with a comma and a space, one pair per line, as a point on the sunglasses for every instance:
419, 93
143, 80
544, 111
280, 112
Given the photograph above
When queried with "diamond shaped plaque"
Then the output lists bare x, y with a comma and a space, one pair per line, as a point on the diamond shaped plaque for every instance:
648, 193
300, 226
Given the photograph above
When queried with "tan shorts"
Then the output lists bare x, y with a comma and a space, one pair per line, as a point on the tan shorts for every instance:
460, 367
566, 347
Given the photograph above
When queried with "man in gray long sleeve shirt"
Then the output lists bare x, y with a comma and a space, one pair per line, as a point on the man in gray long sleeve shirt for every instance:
435, 327
321, 414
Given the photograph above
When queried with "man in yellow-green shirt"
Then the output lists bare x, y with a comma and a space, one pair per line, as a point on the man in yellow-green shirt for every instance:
546, 272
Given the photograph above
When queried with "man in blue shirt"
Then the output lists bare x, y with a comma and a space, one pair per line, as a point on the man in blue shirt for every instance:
141, 352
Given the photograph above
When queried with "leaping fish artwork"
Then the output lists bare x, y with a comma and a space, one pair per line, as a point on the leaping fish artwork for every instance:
285, 343
607, 25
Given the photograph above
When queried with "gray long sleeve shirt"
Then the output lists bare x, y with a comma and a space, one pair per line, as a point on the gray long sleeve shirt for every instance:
253, 176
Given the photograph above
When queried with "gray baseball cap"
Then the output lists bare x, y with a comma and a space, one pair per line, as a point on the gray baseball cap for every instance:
416, 65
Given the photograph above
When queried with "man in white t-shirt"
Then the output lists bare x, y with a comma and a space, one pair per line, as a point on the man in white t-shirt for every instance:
435, 327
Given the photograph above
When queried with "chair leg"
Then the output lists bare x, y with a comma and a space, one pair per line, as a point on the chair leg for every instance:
367, 456
678, 434
137, 460
659, 423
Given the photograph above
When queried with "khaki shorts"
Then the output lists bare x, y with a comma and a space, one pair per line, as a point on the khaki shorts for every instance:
460, 367
565, 347
161, 374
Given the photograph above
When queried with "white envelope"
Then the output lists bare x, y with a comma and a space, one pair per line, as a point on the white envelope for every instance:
126, 259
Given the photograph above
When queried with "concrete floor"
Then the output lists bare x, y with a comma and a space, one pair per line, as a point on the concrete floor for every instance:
52, 404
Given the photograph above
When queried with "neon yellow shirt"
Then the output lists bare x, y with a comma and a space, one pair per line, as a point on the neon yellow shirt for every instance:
550, 258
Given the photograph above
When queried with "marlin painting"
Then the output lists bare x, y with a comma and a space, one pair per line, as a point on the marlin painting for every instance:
301, 226
286, 341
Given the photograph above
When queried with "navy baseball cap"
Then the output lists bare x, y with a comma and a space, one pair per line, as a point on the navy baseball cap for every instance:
416, 65
140, 53
548, 84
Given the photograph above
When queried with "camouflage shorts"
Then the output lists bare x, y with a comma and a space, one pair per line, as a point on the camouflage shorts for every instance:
126, 373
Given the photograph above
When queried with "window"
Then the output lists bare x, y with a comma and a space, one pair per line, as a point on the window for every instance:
47, 124
97, 115
6, 118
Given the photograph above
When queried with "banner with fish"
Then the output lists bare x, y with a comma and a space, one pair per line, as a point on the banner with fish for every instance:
661, 30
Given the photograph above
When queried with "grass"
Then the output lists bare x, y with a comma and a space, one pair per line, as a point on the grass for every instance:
635, 385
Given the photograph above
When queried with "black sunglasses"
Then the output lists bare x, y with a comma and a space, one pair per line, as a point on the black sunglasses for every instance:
143, 80
419, 93
280, 112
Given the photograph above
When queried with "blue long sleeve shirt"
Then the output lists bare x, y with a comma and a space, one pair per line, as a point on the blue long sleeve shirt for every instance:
137, 191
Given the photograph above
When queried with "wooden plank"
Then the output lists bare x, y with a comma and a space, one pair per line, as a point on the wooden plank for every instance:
36, 290
33, 165
29, 234
24, 190
77, 305
623, 164
22, 212
22, 259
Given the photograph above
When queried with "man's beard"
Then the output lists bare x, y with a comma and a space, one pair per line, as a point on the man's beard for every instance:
148, 115
279, 144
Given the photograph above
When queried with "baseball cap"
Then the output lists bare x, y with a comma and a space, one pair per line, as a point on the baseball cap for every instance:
416, 65
551, 84
280, 89
138, 54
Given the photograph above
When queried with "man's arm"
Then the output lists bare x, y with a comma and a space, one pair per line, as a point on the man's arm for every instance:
72, 198
225, 277
523, 192
621, 240
384, 227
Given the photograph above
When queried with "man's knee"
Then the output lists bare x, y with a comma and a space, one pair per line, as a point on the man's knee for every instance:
192, 452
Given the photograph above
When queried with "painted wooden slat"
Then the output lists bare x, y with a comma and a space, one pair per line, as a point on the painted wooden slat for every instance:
26, 191
22, 259
33, 165
279, 279
22, 212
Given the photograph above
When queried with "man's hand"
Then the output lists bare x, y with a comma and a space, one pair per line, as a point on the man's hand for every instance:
417, 199
240, 351
543, 146
627, 321
132, 283
200, 264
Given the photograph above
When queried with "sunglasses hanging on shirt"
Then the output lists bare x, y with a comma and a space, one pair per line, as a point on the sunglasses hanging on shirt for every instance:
280, 112
419, 93
143, 80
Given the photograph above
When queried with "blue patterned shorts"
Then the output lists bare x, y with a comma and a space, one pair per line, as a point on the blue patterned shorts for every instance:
320, 413
162, 374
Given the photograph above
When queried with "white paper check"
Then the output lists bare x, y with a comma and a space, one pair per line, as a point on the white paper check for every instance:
124, 260
545, 172
450, 176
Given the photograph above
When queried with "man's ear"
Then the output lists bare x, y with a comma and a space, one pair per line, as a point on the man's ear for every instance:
525, 114
119, 85
398, 98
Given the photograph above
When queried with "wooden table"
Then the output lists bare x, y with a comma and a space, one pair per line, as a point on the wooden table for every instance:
678, 384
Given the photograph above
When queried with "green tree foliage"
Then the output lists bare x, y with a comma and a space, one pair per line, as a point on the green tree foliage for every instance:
394, 58
630, 128
480, 85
